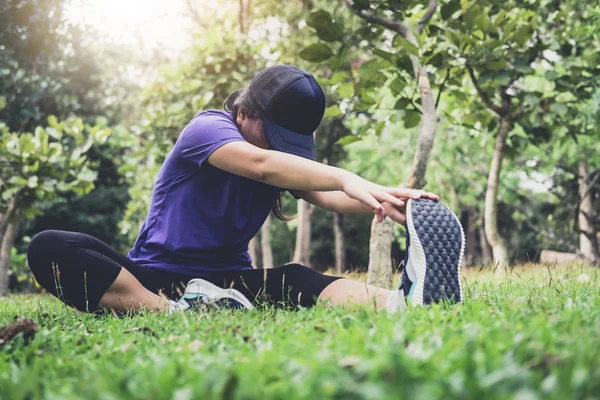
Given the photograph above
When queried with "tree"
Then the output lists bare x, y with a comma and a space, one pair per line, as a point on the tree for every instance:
41, 166
47, 67
514, 55
410, 42
266, 250
51, 66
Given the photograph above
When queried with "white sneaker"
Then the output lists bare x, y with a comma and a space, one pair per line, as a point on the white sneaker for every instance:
200, 292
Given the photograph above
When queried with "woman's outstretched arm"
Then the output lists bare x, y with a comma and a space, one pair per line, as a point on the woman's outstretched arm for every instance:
292, 172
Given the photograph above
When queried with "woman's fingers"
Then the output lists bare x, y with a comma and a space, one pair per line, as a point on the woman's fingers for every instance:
411, 193
397, 215
385, 196
372, 202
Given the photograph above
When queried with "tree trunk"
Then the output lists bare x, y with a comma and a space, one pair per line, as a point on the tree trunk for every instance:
380, 261
244, 16
253, 248
302, 250
265, 241
491, 197
340, 245
588, 243
5, 248
486, 250
7, 218
470, 227
380, 254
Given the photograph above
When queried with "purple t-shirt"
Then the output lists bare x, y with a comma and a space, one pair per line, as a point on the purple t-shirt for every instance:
201, 218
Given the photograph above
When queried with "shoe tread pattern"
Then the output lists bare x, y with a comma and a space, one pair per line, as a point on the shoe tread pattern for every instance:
441, 236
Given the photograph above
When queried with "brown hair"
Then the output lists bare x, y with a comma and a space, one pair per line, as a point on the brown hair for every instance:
242, 99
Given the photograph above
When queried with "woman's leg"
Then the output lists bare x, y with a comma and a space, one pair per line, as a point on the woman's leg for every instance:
295, 284
346, 292
87, 274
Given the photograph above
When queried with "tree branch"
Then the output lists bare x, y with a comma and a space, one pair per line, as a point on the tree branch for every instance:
431, 7
442, 86
482, 95
373, 18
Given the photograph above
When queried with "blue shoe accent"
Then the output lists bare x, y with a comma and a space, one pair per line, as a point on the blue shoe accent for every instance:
406, 283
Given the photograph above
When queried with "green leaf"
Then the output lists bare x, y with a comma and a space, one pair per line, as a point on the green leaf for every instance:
346, 90
502, 78
370, 71
559, 108
9, 193
384, 54
409, 47
346, 140
319, 18
316, 52
17, 180
437, 60
361, 4
53, 122
496, 65
397, 85
2, 102
448, 9
404, 63
499, 18
411, 119
331, 33
327, 30
532, 99
521, 65
339, 77
87, 175
56, 134
401, 103
32, 182
482, 21
102, 135
469, 17
522, 35
332, 111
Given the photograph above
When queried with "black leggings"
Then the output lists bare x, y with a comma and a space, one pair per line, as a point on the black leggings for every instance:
78, 269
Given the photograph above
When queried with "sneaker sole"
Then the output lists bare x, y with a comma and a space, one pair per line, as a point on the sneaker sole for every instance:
437, 245
216, 293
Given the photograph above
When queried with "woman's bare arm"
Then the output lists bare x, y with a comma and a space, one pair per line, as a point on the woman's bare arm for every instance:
296, 173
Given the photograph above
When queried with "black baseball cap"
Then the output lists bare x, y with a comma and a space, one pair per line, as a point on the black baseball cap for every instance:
293, 104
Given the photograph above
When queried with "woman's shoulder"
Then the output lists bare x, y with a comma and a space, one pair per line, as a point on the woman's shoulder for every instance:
210, 123
208, 117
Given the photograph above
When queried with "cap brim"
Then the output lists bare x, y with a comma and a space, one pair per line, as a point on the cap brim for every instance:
288, 141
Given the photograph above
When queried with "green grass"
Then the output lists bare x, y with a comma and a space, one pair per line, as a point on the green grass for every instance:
531, 334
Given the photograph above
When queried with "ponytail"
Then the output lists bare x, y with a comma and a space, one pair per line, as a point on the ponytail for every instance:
229, 104
241, 99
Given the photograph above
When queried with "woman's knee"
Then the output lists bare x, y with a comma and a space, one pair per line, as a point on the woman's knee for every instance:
298, 272
47, 246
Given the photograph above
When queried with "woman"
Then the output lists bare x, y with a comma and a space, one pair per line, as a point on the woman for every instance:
223, 176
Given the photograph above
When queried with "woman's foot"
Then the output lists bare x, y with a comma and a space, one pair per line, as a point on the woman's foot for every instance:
435, 248
200, 293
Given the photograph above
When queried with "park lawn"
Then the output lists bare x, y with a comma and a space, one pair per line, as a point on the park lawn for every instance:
534, 333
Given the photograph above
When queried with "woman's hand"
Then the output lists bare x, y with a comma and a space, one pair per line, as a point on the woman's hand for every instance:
370, 194
374, 196
398, 214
